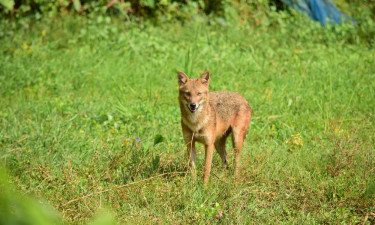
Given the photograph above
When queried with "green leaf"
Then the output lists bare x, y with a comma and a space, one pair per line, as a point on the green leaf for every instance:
148, 3
77, 5
158, 139
8, 4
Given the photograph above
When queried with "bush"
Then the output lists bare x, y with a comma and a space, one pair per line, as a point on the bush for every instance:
140, 8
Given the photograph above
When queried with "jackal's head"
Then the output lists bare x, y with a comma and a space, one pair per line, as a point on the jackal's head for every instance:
193, 92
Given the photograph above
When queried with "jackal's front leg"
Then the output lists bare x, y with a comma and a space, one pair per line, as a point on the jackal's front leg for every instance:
191, 151
191, 154
208, 161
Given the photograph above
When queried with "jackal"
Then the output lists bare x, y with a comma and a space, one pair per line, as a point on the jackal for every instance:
209, 118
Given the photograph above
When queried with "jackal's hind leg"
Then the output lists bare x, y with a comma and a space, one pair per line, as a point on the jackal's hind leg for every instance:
220, 148
239, 128
238, 137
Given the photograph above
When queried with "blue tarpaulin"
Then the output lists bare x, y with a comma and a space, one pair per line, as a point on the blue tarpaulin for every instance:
323, 11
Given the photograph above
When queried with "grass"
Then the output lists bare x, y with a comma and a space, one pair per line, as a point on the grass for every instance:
91, 109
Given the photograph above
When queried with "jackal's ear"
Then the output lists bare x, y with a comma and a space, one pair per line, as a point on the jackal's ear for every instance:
205, 77
182, 78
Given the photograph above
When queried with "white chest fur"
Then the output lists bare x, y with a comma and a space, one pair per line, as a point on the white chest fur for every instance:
195, 121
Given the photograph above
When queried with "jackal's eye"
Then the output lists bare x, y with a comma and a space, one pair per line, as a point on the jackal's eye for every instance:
199, 94
187, 93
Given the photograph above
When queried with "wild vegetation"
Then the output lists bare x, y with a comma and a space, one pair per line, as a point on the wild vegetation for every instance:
90, 119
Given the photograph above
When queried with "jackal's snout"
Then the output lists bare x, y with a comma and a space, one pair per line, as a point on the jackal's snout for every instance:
192, 107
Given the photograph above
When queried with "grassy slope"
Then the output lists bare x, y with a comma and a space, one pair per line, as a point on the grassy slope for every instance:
75, 100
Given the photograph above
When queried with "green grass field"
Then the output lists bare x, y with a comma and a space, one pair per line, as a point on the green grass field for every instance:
90, 120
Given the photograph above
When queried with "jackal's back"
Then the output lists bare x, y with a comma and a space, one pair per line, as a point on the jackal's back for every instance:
228, 104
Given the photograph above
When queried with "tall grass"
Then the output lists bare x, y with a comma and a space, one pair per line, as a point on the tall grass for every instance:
90, 120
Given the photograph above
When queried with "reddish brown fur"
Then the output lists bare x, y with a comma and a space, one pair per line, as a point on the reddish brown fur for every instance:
218, 115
